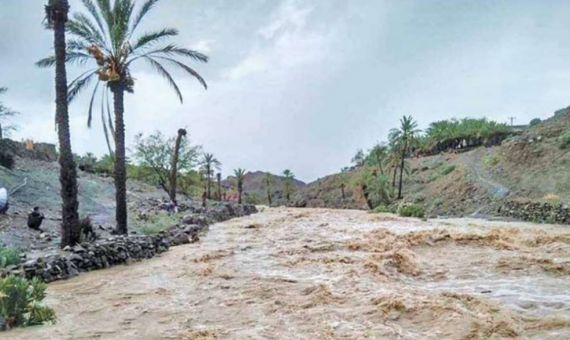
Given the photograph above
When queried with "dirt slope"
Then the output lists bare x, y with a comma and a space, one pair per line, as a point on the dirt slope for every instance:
330, 274
527, 166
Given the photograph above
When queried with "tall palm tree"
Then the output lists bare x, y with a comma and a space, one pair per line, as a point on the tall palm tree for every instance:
240, 178
174, 170
209, 164
268, 181
405, 137
56, 18
219, 182
4, 113
378, 155
288, 183
105, 35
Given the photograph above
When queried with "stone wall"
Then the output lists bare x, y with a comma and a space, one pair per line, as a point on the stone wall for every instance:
536, 212
116, 250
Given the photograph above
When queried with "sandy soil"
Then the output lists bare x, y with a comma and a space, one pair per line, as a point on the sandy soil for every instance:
326, 274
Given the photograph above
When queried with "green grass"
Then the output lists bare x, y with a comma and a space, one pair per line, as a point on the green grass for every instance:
565, 140
158, 222
412, 210
448, 169
491, 161
9, 256
382, 209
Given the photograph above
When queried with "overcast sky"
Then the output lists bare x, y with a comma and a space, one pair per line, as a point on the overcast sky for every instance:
302, 84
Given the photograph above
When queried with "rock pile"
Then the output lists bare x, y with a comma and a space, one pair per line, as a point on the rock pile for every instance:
115, 250
536, 212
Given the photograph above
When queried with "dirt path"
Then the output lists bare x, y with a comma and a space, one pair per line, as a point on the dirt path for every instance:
325, 274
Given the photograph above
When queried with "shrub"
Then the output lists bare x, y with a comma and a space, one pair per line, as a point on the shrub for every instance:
411, 210
382, 209
565, 140
534, 122
20, 303
448, 169
432, 177
9, 256
158, 222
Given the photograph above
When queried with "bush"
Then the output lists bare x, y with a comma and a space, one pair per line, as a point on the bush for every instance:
534, 122
382, 209
565, 140
158, 222
448, 169
411, 210
20, 303
9, 256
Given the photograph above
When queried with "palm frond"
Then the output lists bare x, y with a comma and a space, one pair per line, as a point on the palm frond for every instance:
77, 27
146, 7
119, 31
95, 13
150, 38
90, 112
105, 130
187, 69
164, 73
109, 117
79, 84
72, 57
172, 50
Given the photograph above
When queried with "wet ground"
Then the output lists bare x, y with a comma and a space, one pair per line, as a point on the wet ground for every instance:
326, 274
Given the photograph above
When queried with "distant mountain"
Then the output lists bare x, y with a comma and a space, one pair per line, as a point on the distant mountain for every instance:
254, 186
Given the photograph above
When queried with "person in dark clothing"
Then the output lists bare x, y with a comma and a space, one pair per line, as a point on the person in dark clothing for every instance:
35, 219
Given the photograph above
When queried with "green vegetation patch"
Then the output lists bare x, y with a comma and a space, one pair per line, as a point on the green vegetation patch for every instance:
9, 256
411, 210
382, 209
448, 169
21, 303
158, 222
491, 161
565, 140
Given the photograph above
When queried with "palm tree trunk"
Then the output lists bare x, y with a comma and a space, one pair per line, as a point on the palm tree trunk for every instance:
209, 185
120, 166
402, 170
219, 180
70, 232
394, 178
240, 189
174, 170
269, 196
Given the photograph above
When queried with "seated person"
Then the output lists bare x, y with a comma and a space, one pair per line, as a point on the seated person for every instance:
35, 219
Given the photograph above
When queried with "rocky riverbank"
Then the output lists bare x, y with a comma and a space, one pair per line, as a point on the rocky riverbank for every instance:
536, 212
115, 250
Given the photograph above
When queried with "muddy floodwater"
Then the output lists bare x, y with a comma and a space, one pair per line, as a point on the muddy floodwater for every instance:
330, 274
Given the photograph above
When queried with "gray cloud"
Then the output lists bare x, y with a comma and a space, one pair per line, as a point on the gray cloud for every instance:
303, 84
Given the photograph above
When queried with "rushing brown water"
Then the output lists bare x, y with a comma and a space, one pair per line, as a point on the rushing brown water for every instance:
326, 274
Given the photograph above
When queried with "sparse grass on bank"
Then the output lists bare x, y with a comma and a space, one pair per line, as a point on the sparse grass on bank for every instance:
157, 222
9, 256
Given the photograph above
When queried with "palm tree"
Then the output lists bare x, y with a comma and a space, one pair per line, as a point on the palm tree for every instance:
240, 178
209, 164
56, 18
288, 183
268, 181
405, 137
4, 113
378, 155
105, 35
174, 170
219, 180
